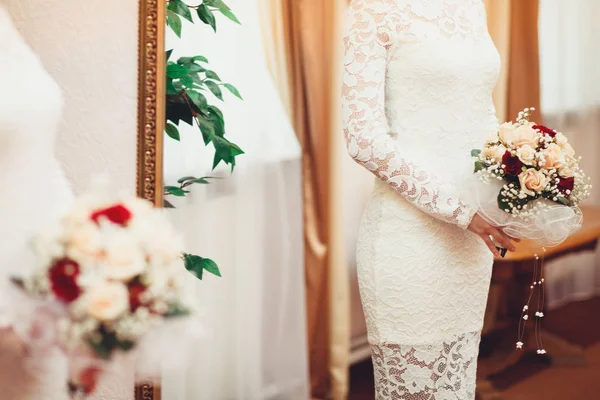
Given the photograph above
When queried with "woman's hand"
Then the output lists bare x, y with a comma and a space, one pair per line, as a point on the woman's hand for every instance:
484, 230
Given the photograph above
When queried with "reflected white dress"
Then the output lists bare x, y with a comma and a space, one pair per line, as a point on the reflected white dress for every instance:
418, 84
35, 193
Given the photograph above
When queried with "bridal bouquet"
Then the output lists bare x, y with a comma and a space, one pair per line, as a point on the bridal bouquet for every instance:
105, 279
531, 182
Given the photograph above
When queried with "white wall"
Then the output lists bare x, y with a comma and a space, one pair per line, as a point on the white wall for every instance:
90, 48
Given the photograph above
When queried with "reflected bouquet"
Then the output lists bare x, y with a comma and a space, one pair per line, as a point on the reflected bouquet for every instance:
106, 277
531, 182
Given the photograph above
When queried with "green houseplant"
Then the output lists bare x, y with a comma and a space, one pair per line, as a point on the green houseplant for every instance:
191, 90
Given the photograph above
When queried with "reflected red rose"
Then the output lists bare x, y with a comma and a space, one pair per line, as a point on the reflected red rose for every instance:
135, 292
63, 280
566, 184
512, 165
117, 214
88, 379
544, 129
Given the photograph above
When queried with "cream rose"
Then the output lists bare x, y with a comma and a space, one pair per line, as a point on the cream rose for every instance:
553, 157
565, 172
123, 260
526, 136
561, 139
532, 181
568, 149
106, 301
506, 133
526, 154
85, 243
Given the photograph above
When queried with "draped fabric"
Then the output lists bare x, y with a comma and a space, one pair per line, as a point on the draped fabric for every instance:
570, 97
310, 33
249, 222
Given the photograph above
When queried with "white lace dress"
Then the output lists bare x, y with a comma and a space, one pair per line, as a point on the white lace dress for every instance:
418, 81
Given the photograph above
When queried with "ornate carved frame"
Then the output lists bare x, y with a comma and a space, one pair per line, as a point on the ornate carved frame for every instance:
151, 112
151, 121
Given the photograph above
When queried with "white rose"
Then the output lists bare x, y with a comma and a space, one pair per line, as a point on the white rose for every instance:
526, 154
553, 157
85, 243
526, 136
506, 133
532, 181
106, 301
494, 153
568, 149
561, 139
565, 172
124, 259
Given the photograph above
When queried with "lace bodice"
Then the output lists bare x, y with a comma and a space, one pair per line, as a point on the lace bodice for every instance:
407, 64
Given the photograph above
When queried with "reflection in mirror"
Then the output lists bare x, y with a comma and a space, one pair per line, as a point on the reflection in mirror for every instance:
231, 170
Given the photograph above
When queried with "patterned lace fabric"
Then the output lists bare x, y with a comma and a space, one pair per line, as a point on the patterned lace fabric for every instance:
441, 371
375, 25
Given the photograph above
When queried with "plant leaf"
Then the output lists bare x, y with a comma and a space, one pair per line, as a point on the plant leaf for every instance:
180, 8
211, 267
212, 75
169, 54
175, 71
206, 16
479, 165
172, 131
193, 263
176, 191
174, 22
229, 14
233, 90
215, 89
475, 153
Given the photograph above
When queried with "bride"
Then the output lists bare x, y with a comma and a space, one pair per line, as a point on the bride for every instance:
417, 88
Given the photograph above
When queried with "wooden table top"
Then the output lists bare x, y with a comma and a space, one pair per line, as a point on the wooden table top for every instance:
590, 231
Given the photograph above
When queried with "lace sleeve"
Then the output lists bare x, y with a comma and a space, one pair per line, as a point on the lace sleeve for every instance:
365, 124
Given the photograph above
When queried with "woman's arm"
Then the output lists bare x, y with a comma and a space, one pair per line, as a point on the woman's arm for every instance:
365, 123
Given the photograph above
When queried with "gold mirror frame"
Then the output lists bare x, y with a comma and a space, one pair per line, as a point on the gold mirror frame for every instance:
151, 92
151, 122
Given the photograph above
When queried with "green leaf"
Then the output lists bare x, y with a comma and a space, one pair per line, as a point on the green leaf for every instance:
200, 58
176, 310
169, 54
215, 89
233, 90
475, 153
175, 71
174, 22
187, 81
176, 191
227, 12
206, 16
202, 181
180, 8
207, 128
479, 165
211, 267
193, 264
198, 99
235, 150
172, 131
125, 345
212, 75
171, 89
186, 178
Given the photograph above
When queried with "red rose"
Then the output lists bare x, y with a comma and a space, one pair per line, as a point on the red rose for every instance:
545, 130
88, 379
566, 184
117, 214
512, 165
135, 292
63, 280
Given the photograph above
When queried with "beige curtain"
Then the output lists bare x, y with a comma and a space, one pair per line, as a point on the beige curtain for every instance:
303, 40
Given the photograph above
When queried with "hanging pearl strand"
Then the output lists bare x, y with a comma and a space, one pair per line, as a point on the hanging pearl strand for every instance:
536, 287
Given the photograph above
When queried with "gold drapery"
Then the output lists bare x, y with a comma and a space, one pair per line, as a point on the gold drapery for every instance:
303, 46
